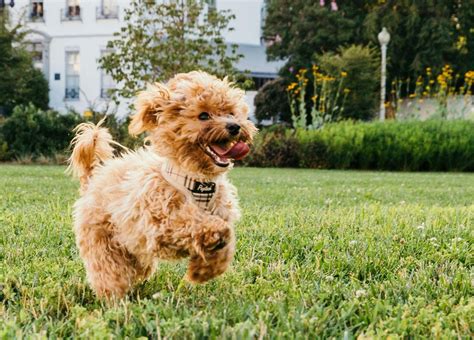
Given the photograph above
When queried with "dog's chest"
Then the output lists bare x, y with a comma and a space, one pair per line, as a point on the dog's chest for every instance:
201, 192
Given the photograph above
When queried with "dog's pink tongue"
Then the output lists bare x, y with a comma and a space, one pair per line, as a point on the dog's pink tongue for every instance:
238, 151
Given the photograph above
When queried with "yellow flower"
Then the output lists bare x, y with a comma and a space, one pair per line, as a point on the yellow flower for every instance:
413, 95
88, 114
346, 90
462, 41
291, 86
441, 79
343, 74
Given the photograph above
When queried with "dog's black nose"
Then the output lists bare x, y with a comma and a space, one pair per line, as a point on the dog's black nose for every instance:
233, 128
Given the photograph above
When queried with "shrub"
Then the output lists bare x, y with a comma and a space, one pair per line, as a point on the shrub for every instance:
34, 135
277, 147
271, 102
118, 128
432, 145
34, 132
361, 63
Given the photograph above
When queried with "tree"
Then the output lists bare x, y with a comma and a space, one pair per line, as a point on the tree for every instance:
300, 29
162, 39
20, 82
424, 33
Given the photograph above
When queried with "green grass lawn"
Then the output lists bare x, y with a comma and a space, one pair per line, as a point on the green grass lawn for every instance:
320, 253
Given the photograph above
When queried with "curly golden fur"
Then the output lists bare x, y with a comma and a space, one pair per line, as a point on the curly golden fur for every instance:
129, 215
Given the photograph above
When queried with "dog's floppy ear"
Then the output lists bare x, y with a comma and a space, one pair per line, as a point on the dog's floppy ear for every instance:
149, 104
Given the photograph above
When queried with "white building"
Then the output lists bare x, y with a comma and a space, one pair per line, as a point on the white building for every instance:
69, 36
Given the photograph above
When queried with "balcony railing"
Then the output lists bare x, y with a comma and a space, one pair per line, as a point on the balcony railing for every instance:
107, 12
71, 13
72, 93
35, 17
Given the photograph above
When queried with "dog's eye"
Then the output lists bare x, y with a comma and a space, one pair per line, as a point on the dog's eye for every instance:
204, 116
231, 114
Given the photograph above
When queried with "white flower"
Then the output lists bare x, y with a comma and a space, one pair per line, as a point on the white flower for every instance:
360, 293
433, 239
457, 239
353, 242
421, 227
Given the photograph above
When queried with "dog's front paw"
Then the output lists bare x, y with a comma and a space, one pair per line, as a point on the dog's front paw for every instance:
216, 239
215, 235
202, 269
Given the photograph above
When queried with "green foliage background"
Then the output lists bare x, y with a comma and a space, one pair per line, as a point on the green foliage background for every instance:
271, 101
424, 33
20, 82
160, 40
363, 73
32, 134
434, 145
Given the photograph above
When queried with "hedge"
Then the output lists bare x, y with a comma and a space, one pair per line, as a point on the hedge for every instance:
32, 133
434, 145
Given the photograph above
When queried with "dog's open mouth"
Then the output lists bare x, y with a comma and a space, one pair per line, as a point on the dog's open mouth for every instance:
223, 153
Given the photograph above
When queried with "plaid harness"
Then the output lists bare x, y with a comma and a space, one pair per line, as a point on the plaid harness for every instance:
201, 191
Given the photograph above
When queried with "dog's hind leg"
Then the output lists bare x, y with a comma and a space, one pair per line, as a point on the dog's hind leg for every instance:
111, 269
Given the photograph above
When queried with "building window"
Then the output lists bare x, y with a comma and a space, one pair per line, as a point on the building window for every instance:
37, 10
36, 50
211, 5
107, 83
108, 10
73, 67
72, 10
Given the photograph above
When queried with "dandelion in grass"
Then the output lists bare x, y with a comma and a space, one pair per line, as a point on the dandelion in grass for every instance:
421, 227
329, 278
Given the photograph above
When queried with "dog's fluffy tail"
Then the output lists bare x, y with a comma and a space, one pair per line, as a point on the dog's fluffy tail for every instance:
92, 145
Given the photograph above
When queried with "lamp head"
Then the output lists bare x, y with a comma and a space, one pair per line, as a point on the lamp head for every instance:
384, 37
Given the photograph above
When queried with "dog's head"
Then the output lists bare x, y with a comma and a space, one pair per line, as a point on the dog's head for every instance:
197, 121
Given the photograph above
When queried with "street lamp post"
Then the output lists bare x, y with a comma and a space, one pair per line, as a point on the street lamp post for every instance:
384, 38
